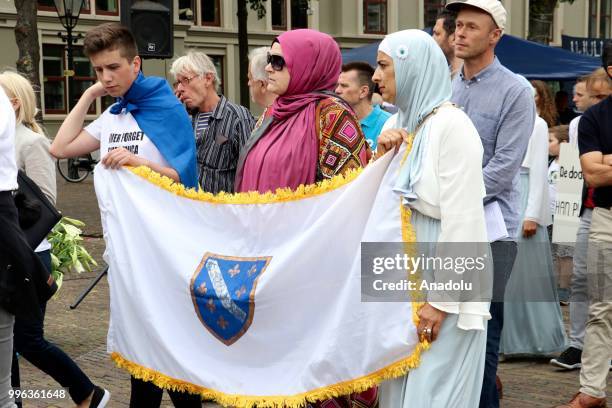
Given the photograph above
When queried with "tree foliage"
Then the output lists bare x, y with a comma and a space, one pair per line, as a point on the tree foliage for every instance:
258, 6
26, 37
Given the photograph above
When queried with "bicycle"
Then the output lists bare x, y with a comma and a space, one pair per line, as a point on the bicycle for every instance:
75, 170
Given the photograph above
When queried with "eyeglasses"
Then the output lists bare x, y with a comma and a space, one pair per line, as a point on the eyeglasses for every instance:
276, 61
184, 81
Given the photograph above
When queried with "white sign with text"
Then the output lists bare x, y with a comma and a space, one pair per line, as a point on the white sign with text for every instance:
569, 195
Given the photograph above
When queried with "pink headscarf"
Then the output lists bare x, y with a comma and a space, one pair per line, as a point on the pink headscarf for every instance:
287, 155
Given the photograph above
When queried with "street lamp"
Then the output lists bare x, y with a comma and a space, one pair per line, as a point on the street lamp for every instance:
68, 12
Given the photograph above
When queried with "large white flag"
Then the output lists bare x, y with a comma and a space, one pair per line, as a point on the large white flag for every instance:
253, 299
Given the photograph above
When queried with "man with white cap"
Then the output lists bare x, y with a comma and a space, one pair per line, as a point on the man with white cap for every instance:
502, 108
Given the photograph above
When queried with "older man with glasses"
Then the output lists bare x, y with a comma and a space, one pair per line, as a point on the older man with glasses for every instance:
221, 127
258, 78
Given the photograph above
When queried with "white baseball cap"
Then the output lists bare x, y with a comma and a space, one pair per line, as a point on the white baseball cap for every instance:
493, 7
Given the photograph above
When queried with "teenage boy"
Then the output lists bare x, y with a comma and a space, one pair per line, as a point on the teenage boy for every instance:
147, 126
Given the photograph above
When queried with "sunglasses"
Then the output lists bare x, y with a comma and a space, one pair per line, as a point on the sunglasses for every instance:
276, 61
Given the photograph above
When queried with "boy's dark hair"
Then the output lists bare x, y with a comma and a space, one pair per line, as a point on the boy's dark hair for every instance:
449, 20
365, 72
110, 37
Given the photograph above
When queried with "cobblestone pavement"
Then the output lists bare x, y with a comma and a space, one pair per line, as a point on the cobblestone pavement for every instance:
81, 333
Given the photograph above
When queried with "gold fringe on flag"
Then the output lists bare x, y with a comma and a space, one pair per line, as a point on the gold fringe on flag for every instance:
252, 197
394, 370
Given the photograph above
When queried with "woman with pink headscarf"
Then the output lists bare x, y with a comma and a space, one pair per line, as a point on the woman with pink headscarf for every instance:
308, 133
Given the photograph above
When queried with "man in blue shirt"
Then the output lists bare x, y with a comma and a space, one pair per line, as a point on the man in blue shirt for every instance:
503, 110
356, 87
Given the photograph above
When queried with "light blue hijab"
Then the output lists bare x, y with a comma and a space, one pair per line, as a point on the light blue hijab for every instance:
422, 83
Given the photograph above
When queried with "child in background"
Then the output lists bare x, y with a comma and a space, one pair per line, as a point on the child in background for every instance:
562, 254
556, 136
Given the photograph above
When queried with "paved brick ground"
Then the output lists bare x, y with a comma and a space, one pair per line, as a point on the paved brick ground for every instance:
82, 332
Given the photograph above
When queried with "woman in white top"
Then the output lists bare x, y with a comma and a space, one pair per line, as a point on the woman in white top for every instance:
533, 324
441, 182
32, 156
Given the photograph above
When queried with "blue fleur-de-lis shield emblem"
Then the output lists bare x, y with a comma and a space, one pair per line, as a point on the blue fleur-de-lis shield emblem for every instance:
223, 293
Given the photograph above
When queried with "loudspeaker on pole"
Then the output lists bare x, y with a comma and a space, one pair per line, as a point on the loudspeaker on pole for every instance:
151, 23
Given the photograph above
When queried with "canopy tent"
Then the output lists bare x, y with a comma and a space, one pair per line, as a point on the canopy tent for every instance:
530, 59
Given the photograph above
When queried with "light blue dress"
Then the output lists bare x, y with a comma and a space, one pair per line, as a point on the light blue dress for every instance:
533, 324
450, 372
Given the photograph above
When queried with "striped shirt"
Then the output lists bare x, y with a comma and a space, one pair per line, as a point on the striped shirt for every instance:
201, 122
220, 135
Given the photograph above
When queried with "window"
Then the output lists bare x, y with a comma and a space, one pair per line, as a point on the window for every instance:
49, 5
431, 9
46, 5
55, 84
299, 14
84, 77
604, 18
185, 11
106, 101
218, 63
107, 7
599, 18
593, 18
375, 16
279, 14
210, 12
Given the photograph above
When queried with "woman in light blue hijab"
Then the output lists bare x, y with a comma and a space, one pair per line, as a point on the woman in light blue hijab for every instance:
441, 181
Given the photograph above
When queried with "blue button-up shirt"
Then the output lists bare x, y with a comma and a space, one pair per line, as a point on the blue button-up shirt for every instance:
502, 108
372, 125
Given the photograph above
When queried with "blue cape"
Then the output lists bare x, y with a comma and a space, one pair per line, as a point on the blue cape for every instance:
165, 121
